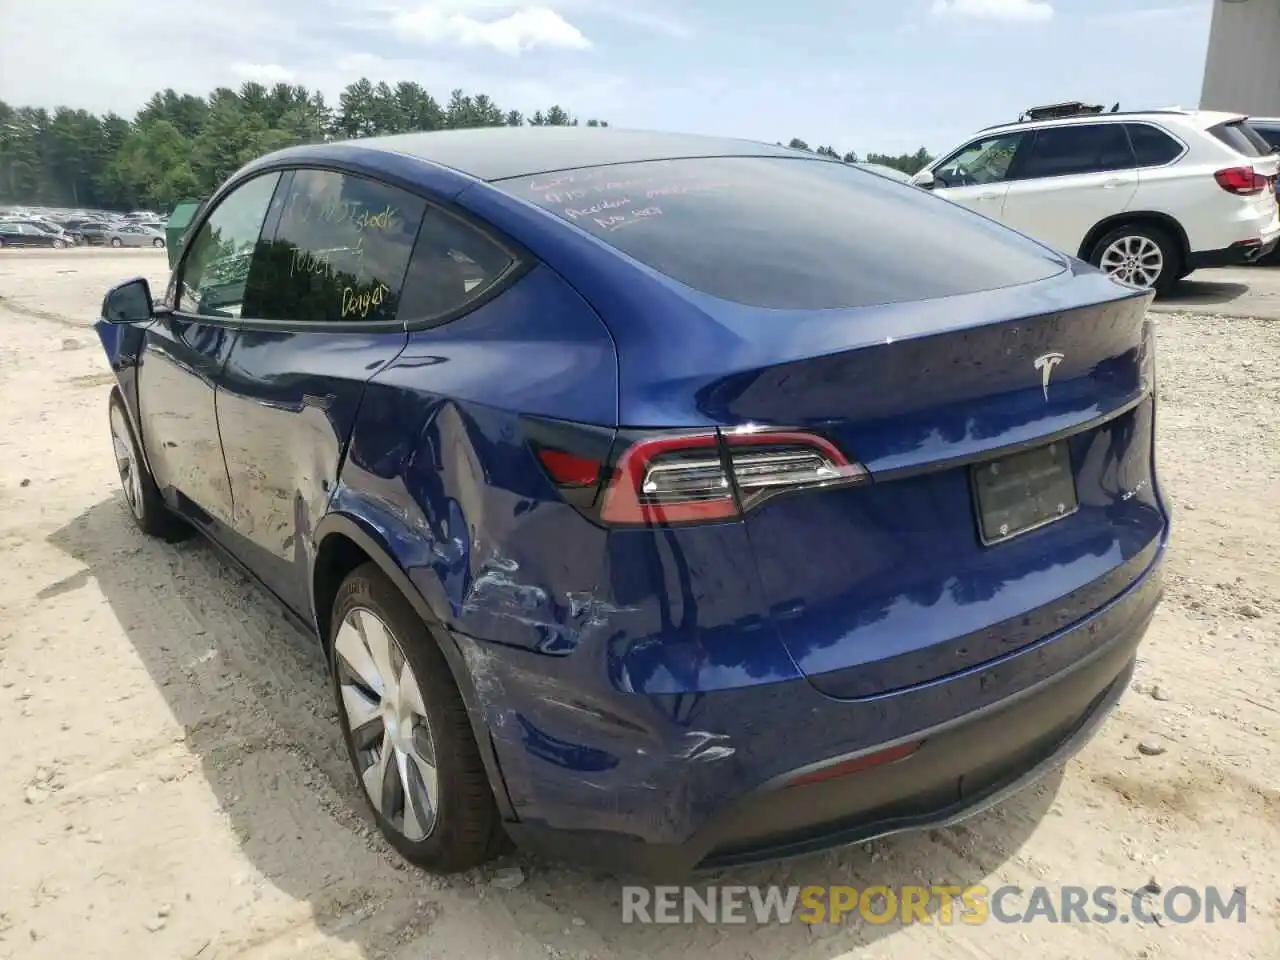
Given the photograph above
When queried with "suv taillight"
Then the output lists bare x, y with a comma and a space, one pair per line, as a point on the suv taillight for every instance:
683, 478
1242, 181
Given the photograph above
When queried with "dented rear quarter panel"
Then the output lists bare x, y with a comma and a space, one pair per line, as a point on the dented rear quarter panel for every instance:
439, 471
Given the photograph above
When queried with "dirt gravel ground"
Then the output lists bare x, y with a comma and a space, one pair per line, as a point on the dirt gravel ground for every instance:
174, 784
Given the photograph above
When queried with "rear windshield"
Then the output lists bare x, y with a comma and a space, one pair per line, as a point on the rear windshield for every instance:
788, 233
1242, 138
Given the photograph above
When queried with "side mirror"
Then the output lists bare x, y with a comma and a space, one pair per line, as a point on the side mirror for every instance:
128, 302
925, 180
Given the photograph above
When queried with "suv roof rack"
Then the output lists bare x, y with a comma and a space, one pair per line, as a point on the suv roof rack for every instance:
1057, 111
1071, 108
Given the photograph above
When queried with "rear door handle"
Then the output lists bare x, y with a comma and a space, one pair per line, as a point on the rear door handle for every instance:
988, 196
1112, 184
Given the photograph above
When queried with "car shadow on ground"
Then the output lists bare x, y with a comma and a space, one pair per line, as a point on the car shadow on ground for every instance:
252, 696
1203, 293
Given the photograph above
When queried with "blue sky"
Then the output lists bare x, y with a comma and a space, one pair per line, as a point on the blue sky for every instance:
864, 75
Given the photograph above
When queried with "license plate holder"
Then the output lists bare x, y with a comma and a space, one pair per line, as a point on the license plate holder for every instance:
1023, 492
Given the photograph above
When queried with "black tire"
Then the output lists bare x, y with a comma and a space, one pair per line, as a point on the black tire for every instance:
467, 829
157, 243
142, 498
115, 242
1171, 254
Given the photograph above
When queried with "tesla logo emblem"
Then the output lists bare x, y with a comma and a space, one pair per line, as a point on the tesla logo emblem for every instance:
1045, 365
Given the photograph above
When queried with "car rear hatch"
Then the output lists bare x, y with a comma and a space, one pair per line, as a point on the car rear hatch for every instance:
936, 433
1256, 180
1011, 492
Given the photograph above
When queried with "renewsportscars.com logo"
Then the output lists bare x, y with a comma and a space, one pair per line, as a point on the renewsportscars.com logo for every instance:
941, 904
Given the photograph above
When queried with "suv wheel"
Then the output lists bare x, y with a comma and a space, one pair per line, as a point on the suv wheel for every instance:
141, 495
407, 731
1139, 256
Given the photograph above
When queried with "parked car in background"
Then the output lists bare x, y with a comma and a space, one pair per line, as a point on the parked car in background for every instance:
881, 553
14, 234
133, 235
94, 232
53, 229
1147, 197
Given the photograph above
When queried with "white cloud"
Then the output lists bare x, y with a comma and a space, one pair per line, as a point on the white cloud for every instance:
510, 31
265, 73
1007, 10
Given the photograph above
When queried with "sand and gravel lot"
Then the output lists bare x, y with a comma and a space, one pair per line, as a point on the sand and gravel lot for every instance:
174, 785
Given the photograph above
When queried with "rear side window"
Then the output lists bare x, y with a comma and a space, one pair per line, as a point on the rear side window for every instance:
453, 265
1152, 147
340, 250
1085, 148
1241, 138
788, 233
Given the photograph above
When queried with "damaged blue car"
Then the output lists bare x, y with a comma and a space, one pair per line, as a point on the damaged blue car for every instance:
667, 501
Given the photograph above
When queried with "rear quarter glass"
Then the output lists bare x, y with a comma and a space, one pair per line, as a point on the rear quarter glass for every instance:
1242, 138
788, 234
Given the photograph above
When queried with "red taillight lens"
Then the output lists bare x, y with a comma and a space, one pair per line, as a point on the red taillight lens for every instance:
568, 470
670, 480
687, 479
1242, 181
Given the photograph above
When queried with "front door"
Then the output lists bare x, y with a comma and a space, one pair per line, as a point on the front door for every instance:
1070, 179
185, 351
976, 175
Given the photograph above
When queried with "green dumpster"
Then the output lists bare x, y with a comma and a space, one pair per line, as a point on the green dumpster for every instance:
175, 230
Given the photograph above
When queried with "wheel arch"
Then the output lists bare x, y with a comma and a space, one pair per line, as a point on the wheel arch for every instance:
343, 543
1138, 217
126, 388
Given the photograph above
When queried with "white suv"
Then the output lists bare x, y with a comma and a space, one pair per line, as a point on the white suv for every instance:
1147, 197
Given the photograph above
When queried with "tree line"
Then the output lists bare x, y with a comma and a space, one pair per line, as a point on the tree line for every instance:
906, 162
181, 146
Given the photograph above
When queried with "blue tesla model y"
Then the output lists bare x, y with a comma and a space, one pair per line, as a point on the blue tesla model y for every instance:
669, 501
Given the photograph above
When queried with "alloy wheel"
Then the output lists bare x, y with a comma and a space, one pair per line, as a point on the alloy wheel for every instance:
126, 461
385, 713
1134, 260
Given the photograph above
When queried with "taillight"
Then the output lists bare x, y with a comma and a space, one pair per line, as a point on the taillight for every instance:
641, 477
716, 476
1242, 181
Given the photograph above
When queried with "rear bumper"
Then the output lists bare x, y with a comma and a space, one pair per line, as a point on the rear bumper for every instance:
674, 811
1236, 255
958, 773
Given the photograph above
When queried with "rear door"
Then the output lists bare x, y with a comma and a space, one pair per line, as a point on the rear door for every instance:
293, 383
977, 175
1070, 178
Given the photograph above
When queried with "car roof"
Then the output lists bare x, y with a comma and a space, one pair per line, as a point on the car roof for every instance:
498, 153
